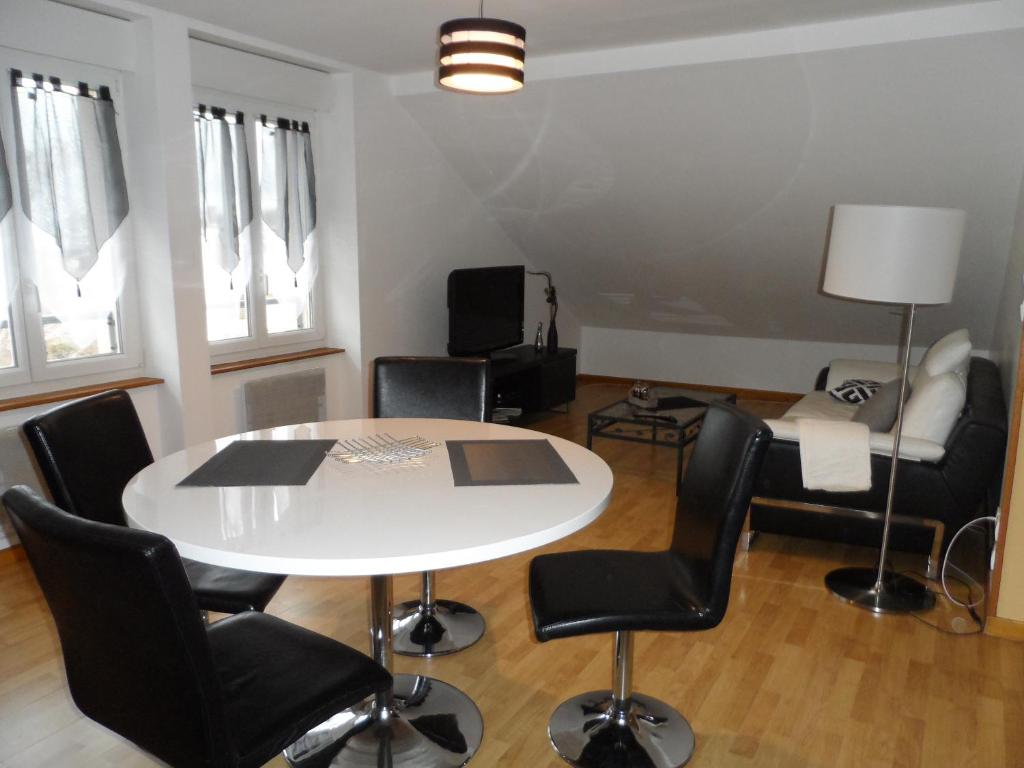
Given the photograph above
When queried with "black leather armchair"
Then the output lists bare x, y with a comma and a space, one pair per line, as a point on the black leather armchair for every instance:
140, 661
88, 450
433, 388
933, 499
685, 588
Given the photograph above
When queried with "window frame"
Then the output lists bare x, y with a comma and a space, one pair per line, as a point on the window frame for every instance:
230, 350
31, 366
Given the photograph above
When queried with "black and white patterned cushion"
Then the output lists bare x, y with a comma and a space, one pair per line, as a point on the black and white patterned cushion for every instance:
855, 391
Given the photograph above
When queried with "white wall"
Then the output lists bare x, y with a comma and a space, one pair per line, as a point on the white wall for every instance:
69, 33
417, 221
165, 203
237, 72
726, 361
695, 198
340, 238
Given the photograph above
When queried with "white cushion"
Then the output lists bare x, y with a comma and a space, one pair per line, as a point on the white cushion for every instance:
951, 353
934, 406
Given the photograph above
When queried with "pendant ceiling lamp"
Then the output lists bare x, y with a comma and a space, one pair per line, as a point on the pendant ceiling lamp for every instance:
481, 55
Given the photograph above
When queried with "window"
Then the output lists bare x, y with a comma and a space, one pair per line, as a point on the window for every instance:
64, 240
258, 229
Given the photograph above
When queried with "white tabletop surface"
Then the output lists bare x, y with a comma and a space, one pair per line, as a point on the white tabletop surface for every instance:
364, 519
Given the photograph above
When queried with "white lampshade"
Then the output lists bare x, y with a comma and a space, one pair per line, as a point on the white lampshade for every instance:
894, 254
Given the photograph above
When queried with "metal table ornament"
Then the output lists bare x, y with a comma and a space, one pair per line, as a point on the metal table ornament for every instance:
643, 396
382, 449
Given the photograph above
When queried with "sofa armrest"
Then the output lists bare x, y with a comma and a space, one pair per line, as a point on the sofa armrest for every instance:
843, 369
911, 448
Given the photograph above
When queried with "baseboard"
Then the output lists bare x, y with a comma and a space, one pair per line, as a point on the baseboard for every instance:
742, 394
13, 554
1008, 629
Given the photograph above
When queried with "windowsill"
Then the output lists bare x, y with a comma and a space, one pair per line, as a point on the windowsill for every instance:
60, 395
259, 362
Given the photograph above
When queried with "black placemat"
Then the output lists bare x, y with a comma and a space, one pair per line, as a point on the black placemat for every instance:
261, 462
507, 462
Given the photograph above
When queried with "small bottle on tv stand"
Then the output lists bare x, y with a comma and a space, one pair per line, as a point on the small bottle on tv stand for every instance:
538, 342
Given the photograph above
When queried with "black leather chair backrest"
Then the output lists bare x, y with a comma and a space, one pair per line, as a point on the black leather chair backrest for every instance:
714, 498
88, 450
432, 388
135, 650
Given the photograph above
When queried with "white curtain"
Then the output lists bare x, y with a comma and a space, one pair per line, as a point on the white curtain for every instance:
225, 193
7, 282
73, 191
288, 199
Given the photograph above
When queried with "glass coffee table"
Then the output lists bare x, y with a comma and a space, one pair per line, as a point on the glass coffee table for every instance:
675, 424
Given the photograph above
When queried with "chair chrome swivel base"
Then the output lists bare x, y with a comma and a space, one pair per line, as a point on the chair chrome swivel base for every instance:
420, 723
587, 731
429, 627
426, 723
445, 627
619, 728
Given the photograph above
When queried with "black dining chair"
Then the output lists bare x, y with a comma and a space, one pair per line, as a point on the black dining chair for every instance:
88, 450
140, 661
433, 388
685, 588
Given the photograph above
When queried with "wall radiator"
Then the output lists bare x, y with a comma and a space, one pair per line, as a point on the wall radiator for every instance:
293, 398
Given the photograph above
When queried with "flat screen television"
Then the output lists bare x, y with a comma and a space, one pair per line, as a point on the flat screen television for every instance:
485, 309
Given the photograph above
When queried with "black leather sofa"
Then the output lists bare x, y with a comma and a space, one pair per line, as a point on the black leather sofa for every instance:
962, 485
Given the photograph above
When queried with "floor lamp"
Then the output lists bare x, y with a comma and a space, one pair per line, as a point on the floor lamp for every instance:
891, 255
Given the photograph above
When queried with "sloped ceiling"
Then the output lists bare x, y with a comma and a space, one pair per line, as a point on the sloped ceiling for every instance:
696, 199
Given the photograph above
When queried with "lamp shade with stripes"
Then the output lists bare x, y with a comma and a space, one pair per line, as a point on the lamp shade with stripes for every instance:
479, 55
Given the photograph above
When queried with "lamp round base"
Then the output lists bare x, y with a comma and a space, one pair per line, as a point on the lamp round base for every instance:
430, 725
586, 732
899, 594
446, 628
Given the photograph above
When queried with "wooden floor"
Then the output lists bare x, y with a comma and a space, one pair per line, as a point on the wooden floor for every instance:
792, 678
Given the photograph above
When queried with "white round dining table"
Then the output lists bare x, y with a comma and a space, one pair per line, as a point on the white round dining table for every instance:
376, 519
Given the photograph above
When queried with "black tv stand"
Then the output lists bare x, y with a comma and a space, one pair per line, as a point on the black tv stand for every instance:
524, 378
505, 355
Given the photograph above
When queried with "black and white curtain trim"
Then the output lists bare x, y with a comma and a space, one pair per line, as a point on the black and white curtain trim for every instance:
41, 82
285, 124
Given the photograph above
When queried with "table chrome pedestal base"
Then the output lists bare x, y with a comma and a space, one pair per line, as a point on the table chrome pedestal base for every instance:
446, 628
900, 594
429, 725
586, 732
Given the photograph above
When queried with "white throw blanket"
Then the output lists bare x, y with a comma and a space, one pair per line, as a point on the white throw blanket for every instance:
835, 455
